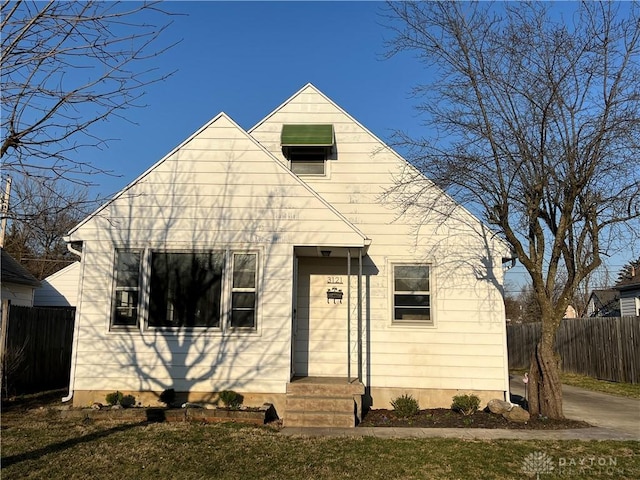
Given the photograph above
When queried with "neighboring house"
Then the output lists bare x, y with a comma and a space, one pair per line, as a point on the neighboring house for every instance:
629, 291
59, 289
603, 303
18, 284
272, 263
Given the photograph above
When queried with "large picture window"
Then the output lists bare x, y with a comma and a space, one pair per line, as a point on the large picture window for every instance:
186, 289
127, 289
412, 294
214, 289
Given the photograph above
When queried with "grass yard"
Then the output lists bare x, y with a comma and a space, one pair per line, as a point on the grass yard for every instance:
630, 390
39, 444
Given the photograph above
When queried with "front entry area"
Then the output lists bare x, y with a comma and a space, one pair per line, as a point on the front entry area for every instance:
320, 325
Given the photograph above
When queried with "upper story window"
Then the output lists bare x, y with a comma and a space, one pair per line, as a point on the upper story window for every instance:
307, 147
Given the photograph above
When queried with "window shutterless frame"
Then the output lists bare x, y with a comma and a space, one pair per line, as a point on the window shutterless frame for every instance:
244, 288
125, 310
412, 302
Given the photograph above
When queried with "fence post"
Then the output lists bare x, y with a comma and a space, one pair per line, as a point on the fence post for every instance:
6, 305
622, 377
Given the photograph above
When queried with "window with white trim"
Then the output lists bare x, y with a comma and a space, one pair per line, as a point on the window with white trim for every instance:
243, 291
126, 289
412, 294
185, 290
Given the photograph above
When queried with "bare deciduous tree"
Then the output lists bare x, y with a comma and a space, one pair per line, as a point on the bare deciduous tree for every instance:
535, 125
41, 214
65, 67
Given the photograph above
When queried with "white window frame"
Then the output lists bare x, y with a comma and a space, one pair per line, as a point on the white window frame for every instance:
226, 300
431, 323
324, 162
233, 289
146, 275
117, 288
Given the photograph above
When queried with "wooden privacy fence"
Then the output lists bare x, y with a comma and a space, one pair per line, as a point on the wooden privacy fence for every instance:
37, 349
607, 348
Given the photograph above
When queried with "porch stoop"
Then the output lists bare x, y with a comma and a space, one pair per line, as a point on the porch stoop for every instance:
323, 402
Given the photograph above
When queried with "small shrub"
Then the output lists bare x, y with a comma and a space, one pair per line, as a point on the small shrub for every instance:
405, 406
465, 404
168, 396
128, 401
230, 399
114, 398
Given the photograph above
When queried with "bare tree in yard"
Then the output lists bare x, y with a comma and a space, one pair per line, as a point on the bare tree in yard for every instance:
42, 213
536, 125
65, 67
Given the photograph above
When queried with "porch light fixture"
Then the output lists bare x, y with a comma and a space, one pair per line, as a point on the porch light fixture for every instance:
325, 253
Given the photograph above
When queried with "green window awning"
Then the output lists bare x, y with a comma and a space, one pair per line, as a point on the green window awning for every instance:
307, 135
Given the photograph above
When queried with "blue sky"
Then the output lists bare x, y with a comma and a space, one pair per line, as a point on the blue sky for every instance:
246, 58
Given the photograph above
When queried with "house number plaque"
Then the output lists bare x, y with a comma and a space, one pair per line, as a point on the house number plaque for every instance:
334, 280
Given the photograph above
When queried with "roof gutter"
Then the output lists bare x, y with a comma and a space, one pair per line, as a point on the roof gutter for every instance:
76, 249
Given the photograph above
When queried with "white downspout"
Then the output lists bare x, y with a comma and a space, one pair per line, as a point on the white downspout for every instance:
74, 346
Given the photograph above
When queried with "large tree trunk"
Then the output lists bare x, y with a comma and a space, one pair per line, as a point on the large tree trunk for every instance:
545, 388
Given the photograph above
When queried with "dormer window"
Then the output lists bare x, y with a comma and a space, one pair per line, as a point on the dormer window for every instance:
307, 147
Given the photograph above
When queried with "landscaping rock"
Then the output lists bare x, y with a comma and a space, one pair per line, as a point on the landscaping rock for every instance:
97, 406
517, 414
499, 406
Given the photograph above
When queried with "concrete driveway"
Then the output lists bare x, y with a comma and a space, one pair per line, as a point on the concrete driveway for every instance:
599, 409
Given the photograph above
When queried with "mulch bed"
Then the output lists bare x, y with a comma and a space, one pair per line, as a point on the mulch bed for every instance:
446, 418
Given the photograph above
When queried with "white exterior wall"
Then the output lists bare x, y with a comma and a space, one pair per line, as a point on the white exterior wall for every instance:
59, 289
20, 295
466, 348
219, 190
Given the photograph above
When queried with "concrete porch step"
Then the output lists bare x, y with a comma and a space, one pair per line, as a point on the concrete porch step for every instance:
319, 419
324, 387
311, 403
323, 402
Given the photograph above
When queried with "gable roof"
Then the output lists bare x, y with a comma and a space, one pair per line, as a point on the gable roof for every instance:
606, 302
13, 272
414, 172
222, 117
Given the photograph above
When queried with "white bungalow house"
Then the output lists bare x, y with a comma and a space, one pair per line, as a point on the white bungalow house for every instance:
273, 262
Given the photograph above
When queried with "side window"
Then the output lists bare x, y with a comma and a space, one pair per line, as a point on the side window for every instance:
243, 291
127, 289
186, 289
412, 294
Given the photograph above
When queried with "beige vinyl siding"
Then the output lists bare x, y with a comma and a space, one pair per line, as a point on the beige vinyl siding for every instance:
465, 349
59, 289
219, 190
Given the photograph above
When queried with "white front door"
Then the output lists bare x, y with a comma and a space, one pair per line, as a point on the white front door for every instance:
321, 337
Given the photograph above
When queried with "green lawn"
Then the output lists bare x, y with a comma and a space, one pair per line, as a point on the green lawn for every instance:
38, 444
631, 390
